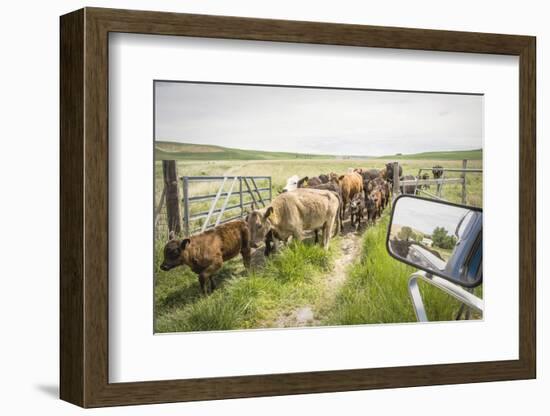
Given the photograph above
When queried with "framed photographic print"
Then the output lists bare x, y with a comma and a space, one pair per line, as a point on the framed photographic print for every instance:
255, 207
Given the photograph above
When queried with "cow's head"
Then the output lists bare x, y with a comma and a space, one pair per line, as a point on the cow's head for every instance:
376, 196
324, 178
294, 182
370, 203
333, 177
258, 224
173, 251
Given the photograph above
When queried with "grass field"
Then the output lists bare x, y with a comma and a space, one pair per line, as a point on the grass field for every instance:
475, 154
355, 282
165, 150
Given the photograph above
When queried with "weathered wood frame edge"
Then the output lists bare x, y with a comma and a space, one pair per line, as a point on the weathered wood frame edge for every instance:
84, 207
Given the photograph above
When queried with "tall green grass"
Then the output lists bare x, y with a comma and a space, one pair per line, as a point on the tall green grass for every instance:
242, 300
376, 290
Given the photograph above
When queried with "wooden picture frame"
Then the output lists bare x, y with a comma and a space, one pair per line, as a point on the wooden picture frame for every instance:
84, 207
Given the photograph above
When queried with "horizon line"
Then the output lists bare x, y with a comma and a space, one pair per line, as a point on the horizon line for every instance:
319, 154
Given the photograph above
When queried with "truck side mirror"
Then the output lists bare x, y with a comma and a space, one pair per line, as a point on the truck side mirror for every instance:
438, 237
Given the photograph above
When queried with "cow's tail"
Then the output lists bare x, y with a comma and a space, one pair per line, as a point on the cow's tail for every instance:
341, 213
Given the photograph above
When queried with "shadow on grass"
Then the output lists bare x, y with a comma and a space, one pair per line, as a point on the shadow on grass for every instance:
191, 293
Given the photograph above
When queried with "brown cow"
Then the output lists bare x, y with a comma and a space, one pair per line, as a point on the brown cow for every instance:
424, 176
389, 172
351, 184
295, 182
376, 196
368, 174
357, 206
324, 178
370, 204
408, 189
310, 182
205, 253
437, 171
384, 188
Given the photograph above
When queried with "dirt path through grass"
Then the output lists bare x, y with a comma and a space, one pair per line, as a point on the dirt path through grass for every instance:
311, 315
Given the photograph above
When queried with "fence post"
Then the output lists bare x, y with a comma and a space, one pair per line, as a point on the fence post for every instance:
463, 176
241, 195
172, 197
439, 186
186, 205
395, 179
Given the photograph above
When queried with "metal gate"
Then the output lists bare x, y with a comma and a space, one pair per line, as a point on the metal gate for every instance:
234, 193
420, 184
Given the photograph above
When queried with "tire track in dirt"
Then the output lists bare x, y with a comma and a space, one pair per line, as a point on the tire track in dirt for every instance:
350, 247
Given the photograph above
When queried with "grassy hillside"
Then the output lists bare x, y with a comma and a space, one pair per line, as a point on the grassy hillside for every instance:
165, 150
186, 151
476, 154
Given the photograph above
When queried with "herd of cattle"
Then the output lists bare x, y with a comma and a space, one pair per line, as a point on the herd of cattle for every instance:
317, 204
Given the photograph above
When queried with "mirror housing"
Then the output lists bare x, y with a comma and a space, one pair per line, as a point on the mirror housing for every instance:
438, 237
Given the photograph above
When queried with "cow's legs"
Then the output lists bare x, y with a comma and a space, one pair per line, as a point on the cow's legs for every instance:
339, 220
337, 225
245, 253
267, 243
202, 281
245, 247
327, 231
206, 276
297, 234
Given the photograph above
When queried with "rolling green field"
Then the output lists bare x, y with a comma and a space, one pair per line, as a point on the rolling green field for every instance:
475, 154
355, 282
167, 150
183, 151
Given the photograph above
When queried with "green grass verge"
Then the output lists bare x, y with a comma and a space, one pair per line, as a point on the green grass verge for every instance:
376, 290
243, 300
475, 154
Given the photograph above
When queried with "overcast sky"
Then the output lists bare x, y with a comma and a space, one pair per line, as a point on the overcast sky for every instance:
425, 215
311, 120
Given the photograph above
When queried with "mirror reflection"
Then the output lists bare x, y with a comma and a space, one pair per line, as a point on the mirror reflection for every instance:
437, 237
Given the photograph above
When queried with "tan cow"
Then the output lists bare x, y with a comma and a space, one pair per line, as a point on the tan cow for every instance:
351, 184
292, 213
